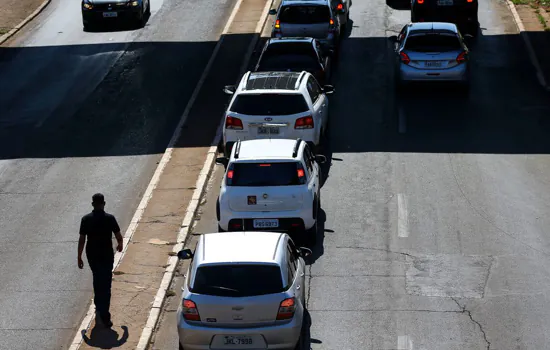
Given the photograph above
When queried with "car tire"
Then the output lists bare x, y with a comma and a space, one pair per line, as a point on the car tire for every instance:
220, 229
140, 20
311, 234
180, 347
88, 27
148, 9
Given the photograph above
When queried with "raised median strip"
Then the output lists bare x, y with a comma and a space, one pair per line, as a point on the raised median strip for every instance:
536, 38
160, 226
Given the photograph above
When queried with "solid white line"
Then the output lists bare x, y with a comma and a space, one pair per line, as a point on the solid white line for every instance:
404, 342
530, 50
86, 322
402, 120
402, 216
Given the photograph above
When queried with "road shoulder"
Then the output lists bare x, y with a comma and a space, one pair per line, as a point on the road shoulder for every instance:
15, 14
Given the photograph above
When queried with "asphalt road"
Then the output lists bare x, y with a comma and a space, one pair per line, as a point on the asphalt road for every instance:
82, 113
436, 205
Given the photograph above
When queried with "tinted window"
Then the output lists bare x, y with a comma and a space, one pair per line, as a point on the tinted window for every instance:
304, 14
265, 174
238, 280
313, 88
289, 62
269, 104
432, 43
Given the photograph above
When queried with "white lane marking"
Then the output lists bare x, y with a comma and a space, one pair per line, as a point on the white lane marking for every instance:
404, 342
154, 314
402, 120
402, 216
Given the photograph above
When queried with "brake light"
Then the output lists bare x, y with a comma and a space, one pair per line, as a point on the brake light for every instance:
469, 0
265, 164
340, 7
420, 2
278, 24
331, 22
233, 123
189, 310
230, 174
235, 226
286, 309
304, 123
461, 58
405, 58
301, 173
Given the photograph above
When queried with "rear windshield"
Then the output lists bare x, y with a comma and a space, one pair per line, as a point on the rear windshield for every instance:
432, 43
289, 62
269, 104
265, 174
238, 280
304, 14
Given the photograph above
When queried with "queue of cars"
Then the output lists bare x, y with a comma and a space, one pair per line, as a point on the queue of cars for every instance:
244, 288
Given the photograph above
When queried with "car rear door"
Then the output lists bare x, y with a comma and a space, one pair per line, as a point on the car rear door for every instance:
305, 21
319, 101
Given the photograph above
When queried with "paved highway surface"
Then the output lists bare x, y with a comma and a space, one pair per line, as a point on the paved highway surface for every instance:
82, 113
436, 206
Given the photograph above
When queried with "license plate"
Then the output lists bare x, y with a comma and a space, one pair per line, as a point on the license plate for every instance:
109, 14
268, 130
237, 340
266, 223
432, 64
445, 2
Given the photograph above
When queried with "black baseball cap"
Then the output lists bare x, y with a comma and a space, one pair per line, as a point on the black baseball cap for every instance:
98, 198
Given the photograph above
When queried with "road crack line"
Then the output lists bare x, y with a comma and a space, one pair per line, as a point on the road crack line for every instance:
469, 313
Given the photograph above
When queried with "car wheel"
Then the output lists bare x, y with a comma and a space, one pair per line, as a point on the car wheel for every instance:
148, 9
220, 229
311, 234
140, 20
180, 347
88, 27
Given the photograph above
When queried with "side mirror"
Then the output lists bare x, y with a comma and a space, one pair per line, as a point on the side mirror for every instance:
185, 254
305, 252
272, 12
222, 160
229, 89
328, 89
321, 159
393, 39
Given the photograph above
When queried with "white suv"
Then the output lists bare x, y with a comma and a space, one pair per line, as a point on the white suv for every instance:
284, 105
271, 185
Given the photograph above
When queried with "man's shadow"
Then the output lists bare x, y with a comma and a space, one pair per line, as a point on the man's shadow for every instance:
105, 338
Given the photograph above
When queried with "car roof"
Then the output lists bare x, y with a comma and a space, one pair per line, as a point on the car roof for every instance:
239, 247
433, 26
266, 148
304, 2
273, 81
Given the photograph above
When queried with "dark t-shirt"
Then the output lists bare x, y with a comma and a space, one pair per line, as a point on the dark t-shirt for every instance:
98, 227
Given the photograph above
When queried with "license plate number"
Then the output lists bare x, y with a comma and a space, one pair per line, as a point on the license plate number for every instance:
266, 223
268, 130
109, 14
445, 2
237, 340
432, 64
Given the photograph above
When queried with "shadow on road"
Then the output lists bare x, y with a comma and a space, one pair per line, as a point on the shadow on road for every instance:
400, 5
105, 338
136, 107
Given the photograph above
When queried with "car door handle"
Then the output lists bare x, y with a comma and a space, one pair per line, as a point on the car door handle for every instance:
302, 274
298, 287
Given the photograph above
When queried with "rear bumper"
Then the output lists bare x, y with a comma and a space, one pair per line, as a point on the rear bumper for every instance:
283, 336
455, 74
89, 16
286, 219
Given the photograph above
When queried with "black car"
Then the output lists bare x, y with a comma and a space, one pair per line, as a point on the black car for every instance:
295, 55
463, 13
94, 11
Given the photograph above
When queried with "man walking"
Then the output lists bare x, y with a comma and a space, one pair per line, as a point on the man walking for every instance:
98, 227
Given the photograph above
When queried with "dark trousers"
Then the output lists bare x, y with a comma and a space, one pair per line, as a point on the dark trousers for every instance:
103, 274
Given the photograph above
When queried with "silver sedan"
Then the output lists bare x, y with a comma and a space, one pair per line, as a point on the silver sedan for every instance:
432, 51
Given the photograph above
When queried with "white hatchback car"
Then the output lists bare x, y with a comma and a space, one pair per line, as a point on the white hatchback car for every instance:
285, 105
271, 185
243, 290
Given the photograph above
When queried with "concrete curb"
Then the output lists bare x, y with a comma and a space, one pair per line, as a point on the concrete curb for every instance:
530, 50
21, 24
202, 182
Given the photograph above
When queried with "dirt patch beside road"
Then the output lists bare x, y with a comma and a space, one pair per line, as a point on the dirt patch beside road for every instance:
13, 12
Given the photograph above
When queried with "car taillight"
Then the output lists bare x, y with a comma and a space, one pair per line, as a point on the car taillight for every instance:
405, 58
469, 0
189, 310
230, 174
340, 7
301, 173
304, 123
461, 58
420, 2
278, 24
233, 123
286, 309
